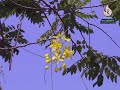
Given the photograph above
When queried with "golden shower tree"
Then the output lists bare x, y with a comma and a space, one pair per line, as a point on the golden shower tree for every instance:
92, 64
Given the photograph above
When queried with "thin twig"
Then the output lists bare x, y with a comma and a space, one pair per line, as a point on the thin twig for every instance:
83, 37
84, 83
2, 73
51, 69
49, 22
45, 77
33, 53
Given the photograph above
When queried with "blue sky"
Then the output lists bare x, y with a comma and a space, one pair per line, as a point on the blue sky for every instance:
28, 70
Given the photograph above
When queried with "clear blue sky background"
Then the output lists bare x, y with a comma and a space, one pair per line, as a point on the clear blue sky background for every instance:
28, 70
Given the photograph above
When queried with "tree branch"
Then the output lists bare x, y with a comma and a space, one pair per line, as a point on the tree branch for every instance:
109, 2
49, 23
26, 7
14, 47
101, 30
54, 10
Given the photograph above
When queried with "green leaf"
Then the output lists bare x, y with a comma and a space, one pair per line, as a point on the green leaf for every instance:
51, 2
79, 49
104, 63
90, 54
73, 69
118, 58
78, 42
86, 15
100, 80
90, 74
86, 75
110, 63
95, 71
83, 42
114, 62
116, 78
72, 31
64, 72
79, 66
95, 84
112, 76
107, 72
83, 63
49, 11
68, 70
84, 71
85, 53
55, 0
83, 46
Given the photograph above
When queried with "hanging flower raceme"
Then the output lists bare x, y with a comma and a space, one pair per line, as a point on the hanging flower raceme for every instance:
59, 52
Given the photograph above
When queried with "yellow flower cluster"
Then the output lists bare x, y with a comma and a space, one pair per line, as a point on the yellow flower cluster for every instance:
55, 45
59, 53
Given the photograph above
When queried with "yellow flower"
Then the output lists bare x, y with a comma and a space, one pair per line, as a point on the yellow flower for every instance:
56, 69
46, 67
60, 68
53, 58
57, 57
58, 36
64, 66
66, 39
67, 52
72, 52
4, 36
55, 45
58, 52
48, 60
47, 55
63, 57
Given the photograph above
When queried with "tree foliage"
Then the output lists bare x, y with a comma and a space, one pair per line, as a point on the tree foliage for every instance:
92, 64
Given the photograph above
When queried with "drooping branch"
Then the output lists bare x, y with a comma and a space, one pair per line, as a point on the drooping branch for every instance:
101, 30
33, 53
